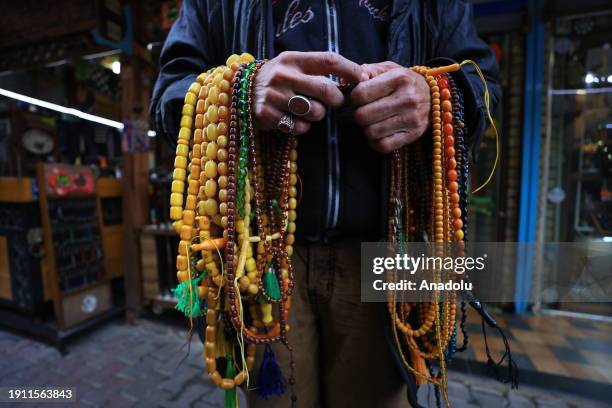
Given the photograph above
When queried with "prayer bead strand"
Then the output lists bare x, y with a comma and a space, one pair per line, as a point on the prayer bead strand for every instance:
433, 338
216, 188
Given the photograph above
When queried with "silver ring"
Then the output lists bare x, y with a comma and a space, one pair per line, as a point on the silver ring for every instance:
286, 124
299, 105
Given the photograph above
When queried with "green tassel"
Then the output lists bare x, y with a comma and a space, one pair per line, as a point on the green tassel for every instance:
187, 301
271, 285
276, 206
230, 395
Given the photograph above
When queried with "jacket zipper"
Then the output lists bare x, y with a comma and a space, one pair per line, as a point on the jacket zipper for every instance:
333, 188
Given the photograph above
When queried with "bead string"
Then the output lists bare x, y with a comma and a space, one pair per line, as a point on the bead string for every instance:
434, 336
240, 197
221, 182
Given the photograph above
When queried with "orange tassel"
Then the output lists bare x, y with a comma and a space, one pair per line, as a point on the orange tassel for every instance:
210, 244
418, 363
443, 70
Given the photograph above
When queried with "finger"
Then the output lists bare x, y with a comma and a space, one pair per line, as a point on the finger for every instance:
394, 124
271, 116
389, 143
379, 110
281, 101
270, 106
318, 87
376, 88
316, 113
300, 125
389, 65
267, 117
373, 70
325, 63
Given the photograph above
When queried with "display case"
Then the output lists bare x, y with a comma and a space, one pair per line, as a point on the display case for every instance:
578, 153
576, 161
61, 251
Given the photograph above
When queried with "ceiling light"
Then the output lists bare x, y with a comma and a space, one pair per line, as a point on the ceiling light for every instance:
62, 109
116, 67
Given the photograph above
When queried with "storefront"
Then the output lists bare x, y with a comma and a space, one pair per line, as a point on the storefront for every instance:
80, 95
575, 186
74, 150
552, 184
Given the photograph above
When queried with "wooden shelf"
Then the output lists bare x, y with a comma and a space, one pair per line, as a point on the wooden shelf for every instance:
17, 190
76, 305
109, 187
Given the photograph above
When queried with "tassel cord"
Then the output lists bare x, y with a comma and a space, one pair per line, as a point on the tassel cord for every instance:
487, 102
466, 337
513, 373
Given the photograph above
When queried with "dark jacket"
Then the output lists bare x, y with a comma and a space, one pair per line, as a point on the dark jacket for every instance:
339, 196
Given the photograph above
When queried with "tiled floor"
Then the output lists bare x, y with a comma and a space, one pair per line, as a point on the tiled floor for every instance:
549, 348
150, 365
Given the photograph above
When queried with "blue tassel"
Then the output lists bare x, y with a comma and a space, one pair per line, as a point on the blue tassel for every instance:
270, 380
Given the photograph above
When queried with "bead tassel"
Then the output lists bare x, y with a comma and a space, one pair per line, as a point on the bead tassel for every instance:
270, 381
187, 300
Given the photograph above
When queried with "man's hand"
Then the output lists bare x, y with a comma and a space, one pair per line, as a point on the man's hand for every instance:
392, 106
300, 73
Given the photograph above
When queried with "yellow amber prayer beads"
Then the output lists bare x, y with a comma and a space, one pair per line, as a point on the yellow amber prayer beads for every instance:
236, 239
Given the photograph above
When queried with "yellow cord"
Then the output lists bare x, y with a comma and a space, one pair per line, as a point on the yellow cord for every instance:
240, 336
241, 261
190, 288
487, 102
188, 249
220, 260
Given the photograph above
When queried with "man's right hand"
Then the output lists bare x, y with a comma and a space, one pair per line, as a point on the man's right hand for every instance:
300, 73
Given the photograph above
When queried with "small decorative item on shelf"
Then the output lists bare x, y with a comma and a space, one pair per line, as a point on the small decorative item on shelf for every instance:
63, 180
134, 136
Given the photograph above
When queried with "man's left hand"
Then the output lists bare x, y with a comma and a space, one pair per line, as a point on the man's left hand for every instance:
392, 106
